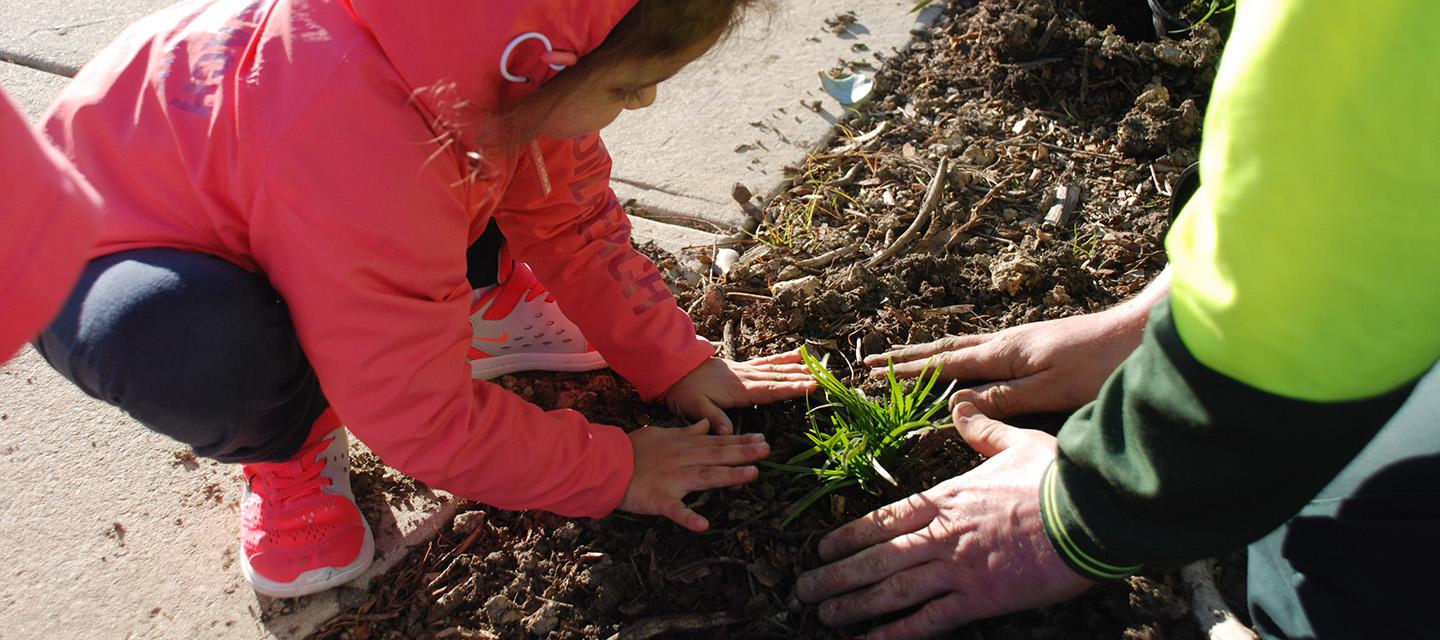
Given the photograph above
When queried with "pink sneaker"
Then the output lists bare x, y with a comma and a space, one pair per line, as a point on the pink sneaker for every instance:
519, 327
300, 530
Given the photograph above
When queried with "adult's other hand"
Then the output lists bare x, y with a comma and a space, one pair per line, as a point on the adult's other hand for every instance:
969, 548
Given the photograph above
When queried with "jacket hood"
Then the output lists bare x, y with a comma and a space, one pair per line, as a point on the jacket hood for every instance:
478, 54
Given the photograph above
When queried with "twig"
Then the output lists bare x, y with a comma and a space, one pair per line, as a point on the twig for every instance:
1216, 619
980, 205
465, 593
457, 565
1097, 154
922, 219
825, 259
469, 540
1161, 189
860, 141
661, 625
727, 349
738, 295
743, 196
849, 177
941, 312
466, 634
1031, 64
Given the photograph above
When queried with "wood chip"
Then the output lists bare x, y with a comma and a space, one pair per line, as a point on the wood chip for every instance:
1067, 198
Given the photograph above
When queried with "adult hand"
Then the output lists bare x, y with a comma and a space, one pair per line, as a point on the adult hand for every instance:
1051, 366
719, 384
672, 462
969, 548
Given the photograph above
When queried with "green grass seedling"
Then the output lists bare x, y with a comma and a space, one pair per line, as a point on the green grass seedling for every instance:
856, 436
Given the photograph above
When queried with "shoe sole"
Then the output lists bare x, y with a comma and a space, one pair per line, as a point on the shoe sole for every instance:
315, 580
487, 368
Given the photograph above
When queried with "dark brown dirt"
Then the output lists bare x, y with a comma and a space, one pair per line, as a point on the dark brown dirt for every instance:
1020, 97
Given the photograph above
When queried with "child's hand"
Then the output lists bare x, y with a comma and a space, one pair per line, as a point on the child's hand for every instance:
670, 463
718, 384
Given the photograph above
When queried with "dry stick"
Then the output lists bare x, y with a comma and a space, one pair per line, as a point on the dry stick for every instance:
823, 260
466, 593
1082, 152
469, 540
849, 177
675, 623
727, 348
922, 219
974, 219
1214, 616
752, 297
742, 196
466, 634
454, 568
860, 141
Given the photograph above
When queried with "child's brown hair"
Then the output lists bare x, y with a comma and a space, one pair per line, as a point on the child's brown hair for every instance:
651, 29
663, 28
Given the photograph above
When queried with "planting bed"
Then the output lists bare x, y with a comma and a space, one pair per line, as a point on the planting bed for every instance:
1019, 99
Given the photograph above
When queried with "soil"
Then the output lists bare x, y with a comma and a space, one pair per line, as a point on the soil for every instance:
1022, 100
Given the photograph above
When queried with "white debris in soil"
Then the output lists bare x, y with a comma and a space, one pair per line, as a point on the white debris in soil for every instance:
1014, 273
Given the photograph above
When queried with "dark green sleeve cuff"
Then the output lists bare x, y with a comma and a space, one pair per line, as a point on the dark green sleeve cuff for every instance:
1075, 545
1175, 462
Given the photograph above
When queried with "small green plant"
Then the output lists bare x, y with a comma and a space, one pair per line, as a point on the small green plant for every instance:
858, 436
1213, 7
1083, 246
1177, 25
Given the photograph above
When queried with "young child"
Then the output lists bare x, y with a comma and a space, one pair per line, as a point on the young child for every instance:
298, 232
48, 213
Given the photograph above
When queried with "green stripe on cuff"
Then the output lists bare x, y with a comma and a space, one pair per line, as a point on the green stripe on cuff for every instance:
1078, 560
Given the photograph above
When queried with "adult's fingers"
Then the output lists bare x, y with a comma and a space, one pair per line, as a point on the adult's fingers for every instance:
985, 361
987, 436
1007, 398
924, 351
686, 517
899, 590
728, 455
895, 519
863, 569
940, 615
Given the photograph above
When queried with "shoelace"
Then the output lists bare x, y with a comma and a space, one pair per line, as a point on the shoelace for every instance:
286, 482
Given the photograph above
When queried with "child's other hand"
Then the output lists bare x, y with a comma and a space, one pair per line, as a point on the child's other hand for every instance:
718, 384
670, 463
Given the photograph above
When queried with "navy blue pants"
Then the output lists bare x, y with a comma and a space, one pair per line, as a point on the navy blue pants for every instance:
199, 349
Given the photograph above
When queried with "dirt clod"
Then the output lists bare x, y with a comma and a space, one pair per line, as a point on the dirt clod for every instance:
503, 611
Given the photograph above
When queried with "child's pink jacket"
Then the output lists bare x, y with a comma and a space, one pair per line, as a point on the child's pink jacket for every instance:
321, 143
47, 228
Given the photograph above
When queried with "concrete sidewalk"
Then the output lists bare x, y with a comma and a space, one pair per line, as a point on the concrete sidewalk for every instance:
120, 530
